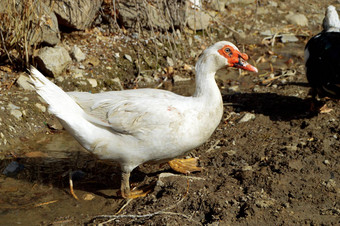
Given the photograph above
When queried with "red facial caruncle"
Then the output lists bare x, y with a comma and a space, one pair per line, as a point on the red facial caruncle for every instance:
236, 58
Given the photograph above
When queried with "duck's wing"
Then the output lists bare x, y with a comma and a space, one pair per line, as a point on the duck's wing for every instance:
131, 112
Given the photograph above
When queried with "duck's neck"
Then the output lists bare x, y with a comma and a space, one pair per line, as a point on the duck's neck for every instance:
205, 81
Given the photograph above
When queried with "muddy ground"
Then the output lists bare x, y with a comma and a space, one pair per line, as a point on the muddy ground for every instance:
281, 167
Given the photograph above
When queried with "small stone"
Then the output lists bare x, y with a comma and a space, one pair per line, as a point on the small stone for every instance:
326, 162
16, 113
235, 88
247, 117
128, 57
297, 18
88, 197
40, 107
13, 169
93, 82
23, 82
77, 54
231, 152
178, 78
13, 107
116, 55
288, 38
170, 61
118, 83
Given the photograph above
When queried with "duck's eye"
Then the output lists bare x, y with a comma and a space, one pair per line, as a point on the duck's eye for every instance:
227, 50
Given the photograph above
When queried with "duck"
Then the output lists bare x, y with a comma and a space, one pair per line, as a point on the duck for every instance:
146, 125
322, 58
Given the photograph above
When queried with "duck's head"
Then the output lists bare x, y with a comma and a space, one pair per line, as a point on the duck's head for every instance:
225, 54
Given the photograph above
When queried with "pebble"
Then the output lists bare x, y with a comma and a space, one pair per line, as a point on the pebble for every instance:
326, 162
16, 113
23, 82
128, 57
13, 107
13, 169
178, 78
40, 107
247, 117
288, 38
297, 18
170, 61
93, 82
235, 88
77, 54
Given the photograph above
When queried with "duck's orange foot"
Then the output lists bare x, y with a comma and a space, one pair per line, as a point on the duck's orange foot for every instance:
137, 193
185, 166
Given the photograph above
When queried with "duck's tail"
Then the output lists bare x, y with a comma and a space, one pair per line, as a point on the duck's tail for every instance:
331, 21
60, 103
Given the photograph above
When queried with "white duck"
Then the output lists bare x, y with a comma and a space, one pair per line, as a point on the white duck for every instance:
145, 125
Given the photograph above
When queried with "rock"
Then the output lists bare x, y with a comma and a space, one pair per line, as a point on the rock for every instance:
289, 38
12, 106
116, 81
16, 113
88, 197
234, 89
178, 78
218, 5
241, 1
23, 82
77, 54
198, 20
297, 19
170, 61
40, 107
76, 14
128, 57
45, 26
53, 60
13, 168
93, 82
247, 117
162, 15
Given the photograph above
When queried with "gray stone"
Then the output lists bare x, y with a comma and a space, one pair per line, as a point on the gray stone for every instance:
40, 107
297, 19
13, 107
247, 117
77, 54
128, 57
93, 82
23, 82
170, 61
178, 78
218, 5
198, 20
16, 113
163, 14
289, 38
76, 14
53, 60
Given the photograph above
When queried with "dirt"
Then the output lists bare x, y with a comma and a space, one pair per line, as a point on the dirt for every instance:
281, 167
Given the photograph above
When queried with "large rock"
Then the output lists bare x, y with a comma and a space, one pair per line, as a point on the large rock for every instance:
53, 60
45, 29
198, 20
76, 14
161, 14
297, 19
43, 24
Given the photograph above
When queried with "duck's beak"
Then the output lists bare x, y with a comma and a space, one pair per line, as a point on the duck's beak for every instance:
243, 64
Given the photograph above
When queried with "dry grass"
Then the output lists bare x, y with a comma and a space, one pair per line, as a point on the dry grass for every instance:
17, 21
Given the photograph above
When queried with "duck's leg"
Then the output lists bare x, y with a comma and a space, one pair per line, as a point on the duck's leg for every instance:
184, 166
126, 191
